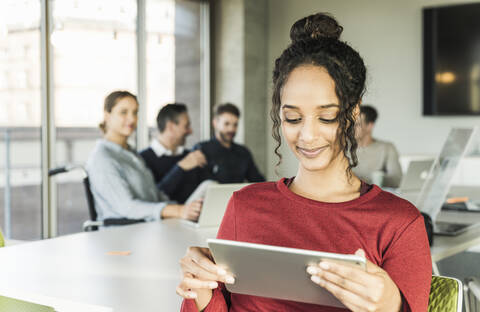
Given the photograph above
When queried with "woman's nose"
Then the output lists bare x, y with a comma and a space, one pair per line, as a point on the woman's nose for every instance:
309, 131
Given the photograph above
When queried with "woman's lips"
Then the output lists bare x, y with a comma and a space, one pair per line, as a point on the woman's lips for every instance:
311, 153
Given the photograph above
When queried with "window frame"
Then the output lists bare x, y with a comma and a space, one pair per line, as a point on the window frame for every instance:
49, 208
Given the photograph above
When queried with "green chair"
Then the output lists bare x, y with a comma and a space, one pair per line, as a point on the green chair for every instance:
2, 241
13, 305
446, 295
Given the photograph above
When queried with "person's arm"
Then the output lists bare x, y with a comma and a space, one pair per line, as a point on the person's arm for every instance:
253, 175
168, 182
207, 300
409, 264
171, 181
189, 211
393, 174
205, 172
114, 190
400, 283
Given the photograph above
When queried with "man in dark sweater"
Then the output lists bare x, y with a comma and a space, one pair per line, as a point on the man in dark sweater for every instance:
228, 162
177, 171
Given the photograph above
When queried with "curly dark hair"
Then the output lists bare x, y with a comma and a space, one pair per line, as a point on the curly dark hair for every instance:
315, 41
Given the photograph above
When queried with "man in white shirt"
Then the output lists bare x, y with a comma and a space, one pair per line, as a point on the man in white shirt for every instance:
177, 171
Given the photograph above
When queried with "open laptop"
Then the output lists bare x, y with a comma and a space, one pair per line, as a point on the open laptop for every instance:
413, 180
416, 175
214, 204
460, 143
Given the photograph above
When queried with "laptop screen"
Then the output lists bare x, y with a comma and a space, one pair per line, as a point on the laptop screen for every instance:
459, 143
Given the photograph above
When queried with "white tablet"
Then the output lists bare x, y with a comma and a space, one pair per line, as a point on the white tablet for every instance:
276, 272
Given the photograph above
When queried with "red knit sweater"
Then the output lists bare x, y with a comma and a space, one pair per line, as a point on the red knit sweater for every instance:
388, 228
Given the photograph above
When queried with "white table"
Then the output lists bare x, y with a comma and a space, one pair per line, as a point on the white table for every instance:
77, 270
74, 273
447, 246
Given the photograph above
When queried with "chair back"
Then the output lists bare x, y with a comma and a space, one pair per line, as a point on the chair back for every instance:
93, 226
10, 304
445, 295
471, 290
90, 201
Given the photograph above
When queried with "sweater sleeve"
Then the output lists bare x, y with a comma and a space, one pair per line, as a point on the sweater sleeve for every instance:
408, 263
171, 180
110, 187
220, 301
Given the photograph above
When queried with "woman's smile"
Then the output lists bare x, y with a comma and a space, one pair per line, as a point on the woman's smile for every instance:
311, 152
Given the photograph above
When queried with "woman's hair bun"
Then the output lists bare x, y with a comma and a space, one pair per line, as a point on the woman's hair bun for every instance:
316, 26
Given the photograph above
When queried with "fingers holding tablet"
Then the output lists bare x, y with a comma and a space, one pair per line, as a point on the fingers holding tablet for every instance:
200, 274
322, 276
356, 288
201, 261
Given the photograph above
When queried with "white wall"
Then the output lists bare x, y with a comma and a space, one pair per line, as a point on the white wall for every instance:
388, 34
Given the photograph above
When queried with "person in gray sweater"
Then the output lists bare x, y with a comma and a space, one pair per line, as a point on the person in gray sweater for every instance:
377, 160
121, 184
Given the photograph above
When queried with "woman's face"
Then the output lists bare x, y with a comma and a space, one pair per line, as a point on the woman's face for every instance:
122, 120
309, 107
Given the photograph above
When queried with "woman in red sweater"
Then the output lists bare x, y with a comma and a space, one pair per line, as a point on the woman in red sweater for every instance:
318, 84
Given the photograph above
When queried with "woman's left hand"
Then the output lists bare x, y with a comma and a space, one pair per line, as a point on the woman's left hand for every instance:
357, 289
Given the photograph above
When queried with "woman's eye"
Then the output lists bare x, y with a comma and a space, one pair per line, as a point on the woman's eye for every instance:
293, 120
328, 119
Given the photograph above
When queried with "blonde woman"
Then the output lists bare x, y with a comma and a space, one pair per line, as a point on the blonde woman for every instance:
121, 184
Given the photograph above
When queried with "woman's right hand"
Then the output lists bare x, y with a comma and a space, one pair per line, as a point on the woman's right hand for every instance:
200, 275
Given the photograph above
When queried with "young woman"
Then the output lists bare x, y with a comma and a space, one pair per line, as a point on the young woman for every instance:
122, 186
318, 85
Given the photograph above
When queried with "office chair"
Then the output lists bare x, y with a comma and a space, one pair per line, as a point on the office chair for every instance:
10, 304
445, 295
471, 290
93, 224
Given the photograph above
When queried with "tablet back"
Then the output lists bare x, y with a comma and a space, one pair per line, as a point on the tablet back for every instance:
276, 272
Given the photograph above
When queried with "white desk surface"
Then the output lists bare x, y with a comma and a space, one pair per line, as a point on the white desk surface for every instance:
446, 246
76, 267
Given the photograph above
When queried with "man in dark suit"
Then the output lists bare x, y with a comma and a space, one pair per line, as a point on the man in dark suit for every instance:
228, 162
177, 171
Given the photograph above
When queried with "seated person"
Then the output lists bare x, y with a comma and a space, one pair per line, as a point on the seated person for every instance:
375, 156
318, 82
121, 184
228, 162
177, 171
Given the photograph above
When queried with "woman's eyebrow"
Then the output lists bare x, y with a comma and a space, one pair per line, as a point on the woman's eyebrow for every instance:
319, 106
328, 105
